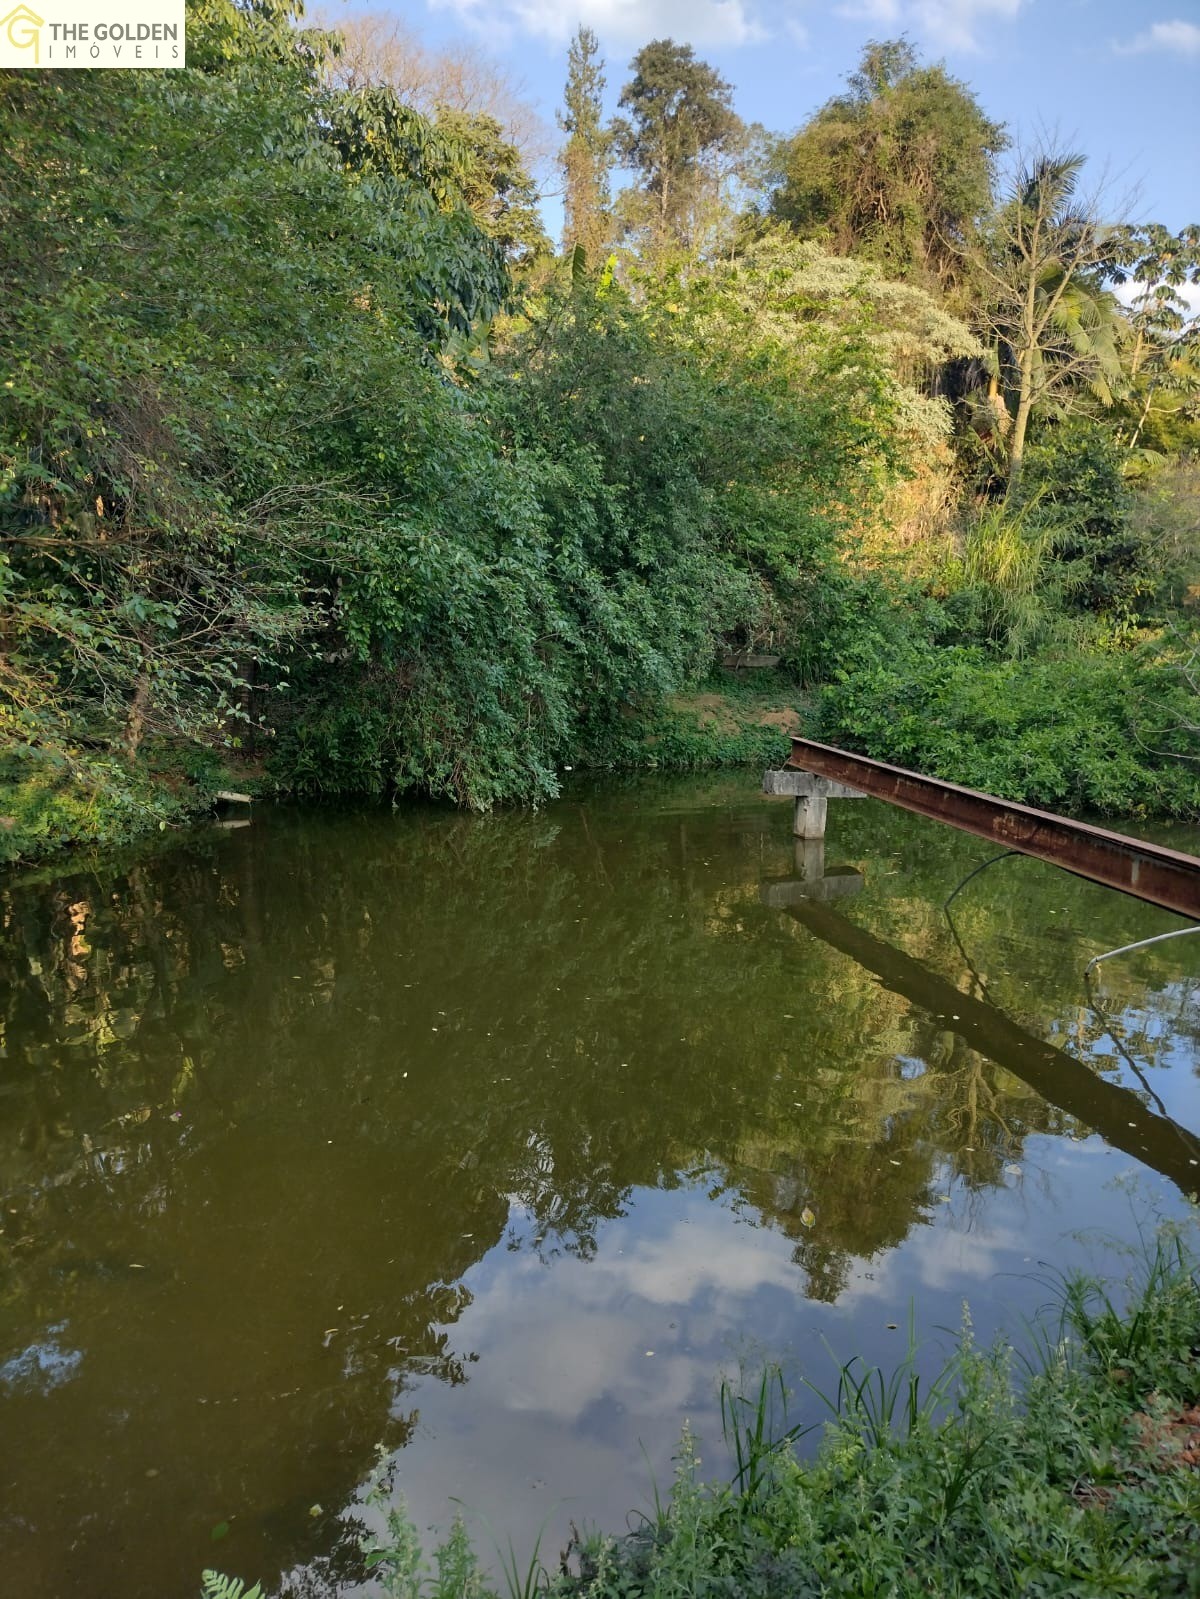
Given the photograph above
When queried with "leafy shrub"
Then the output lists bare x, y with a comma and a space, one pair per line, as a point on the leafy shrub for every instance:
1079, 732
49, 799
1075, 475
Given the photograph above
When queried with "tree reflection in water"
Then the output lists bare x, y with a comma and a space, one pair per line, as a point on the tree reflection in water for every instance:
270, 1096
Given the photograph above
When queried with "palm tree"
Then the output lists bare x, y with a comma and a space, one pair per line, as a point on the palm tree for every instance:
1046, 256
1164, 334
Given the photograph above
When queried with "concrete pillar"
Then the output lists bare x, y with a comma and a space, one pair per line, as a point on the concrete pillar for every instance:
811, 794
808, 819
810, 859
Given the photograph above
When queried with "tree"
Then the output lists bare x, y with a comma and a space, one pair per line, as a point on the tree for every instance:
898, 170
501, 195
381, 75
375, 49
203, 468
1163, 358
586, 156
1044, 259
456, 258
680, 117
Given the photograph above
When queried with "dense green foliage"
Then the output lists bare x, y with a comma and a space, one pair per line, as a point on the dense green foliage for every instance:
290, 497
1106, 736
191, 477
315, 462
898, 170
1035, 670
1071, 1472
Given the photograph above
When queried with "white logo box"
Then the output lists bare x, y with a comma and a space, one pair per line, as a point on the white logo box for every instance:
92, 33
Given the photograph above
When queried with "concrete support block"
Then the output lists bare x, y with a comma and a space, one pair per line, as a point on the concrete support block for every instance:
783, 781
793, 783
811, 794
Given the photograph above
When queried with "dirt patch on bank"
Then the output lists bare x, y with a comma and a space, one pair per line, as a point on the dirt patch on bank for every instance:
714, 711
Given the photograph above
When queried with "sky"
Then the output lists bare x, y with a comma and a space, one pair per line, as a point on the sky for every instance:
1119, 81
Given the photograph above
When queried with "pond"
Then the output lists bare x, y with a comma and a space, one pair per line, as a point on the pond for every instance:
496, 1140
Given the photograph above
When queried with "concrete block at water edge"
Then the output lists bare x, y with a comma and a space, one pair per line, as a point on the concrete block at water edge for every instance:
799, 785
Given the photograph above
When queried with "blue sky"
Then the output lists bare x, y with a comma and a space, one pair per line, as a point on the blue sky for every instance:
1119, 81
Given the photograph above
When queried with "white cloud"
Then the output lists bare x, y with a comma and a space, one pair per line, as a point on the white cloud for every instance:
1175, 38
949, 25
569, 1339
707, 1255
944, 1258
706, 23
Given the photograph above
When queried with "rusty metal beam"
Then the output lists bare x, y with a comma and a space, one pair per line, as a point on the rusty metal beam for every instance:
1148, 871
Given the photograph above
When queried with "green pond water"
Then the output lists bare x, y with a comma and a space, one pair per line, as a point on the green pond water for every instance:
494, 1141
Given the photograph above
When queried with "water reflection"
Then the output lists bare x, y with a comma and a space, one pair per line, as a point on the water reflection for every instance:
981, 1030
43, 1365
490, 1139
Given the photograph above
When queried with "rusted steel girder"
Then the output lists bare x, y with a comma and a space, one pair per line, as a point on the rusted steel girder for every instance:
1162, 876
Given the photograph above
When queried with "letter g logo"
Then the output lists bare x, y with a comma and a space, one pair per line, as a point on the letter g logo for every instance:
21, 38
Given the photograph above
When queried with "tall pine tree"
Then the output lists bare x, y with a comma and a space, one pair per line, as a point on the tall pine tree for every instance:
681, 118
586, 157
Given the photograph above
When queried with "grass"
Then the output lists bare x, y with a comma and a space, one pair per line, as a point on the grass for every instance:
731, 719
752, 1432
878, 1401
1073, 1470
